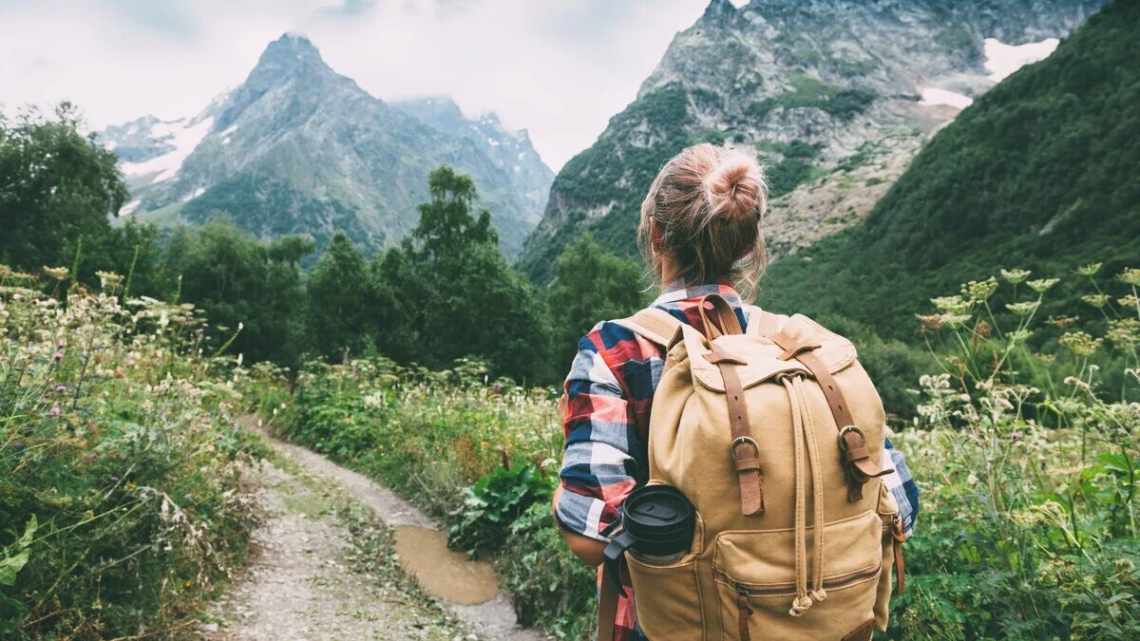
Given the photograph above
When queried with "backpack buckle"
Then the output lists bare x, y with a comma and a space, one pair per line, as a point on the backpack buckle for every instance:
744, 440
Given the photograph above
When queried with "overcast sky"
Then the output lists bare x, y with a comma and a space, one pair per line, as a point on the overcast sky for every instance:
559, 68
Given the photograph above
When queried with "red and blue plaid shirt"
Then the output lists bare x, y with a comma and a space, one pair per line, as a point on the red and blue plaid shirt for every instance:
608, 394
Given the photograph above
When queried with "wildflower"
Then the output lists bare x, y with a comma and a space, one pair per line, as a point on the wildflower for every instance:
955, 320
979, 292
1089, 270
1041, 285
1061, 322
109, 281
1124, 332
1019, 336
951, 304
1096, 300
1131, 276
983, 329
1015, 276
1080, 343
56, 273
1130, 300
1023, 309
55, 410
57, 356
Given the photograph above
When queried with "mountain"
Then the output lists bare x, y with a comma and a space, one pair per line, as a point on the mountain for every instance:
300, 149
1040, 173
835, 97
512, 152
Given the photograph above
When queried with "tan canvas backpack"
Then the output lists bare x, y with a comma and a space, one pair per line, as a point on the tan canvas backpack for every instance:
776, 437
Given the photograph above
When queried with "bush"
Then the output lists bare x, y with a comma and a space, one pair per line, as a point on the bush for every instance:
491, 506
121, 502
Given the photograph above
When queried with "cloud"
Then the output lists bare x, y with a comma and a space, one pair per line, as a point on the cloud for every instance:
558, 69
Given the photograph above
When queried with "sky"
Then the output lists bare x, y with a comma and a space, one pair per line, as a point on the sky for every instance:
559, 68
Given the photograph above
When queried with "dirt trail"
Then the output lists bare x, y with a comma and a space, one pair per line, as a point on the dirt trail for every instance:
307, 583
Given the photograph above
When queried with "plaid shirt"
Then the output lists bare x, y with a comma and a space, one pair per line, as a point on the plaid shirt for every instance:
608, 394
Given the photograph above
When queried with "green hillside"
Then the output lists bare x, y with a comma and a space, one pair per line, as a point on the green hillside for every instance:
1041, 173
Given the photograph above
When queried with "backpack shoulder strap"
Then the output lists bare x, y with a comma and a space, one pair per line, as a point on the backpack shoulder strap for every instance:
655, 325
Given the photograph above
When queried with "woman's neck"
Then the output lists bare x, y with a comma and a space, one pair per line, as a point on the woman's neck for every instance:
667, 271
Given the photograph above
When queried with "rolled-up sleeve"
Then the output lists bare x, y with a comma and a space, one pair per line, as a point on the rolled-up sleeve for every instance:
902, 486
598, 471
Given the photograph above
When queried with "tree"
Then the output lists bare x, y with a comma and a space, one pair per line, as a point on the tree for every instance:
340, 299
57, 187
591, 284
448, 292
241, 282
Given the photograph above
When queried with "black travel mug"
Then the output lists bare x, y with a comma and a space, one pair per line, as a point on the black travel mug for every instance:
656, 521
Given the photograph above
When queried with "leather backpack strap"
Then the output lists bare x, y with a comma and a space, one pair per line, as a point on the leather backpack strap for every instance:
858, 464
745, 450
607, 607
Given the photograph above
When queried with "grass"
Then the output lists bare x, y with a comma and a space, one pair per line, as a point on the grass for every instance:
123, 502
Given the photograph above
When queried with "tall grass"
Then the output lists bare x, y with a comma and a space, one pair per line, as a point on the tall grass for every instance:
121, 494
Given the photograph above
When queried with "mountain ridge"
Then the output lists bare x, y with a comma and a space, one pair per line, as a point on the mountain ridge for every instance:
817, 89
299, 148
1037, 174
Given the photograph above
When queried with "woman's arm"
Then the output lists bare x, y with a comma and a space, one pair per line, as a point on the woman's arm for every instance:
597, 467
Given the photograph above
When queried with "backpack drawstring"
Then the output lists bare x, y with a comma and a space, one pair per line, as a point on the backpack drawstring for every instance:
803, 438
817, 593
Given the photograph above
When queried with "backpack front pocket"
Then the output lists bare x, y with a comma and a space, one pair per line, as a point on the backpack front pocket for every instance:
756, 579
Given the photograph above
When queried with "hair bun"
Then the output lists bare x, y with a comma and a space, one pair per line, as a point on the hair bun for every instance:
735, 187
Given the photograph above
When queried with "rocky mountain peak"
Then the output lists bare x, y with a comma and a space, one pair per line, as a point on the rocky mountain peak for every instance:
288, 55
719, 10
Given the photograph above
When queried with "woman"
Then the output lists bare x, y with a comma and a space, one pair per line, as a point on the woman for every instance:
700, 234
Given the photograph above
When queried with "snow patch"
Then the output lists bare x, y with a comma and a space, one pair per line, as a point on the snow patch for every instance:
185, 139
227, 132
130, 207
192, 195
932, 96
1002, 59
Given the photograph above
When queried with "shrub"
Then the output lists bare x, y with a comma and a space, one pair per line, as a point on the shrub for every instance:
121, 501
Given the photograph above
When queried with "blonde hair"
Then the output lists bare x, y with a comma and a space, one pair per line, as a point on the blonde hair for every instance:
705, 210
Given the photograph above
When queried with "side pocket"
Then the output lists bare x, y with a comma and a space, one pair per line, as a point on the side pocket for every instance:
668, 599
889, 513
668, 596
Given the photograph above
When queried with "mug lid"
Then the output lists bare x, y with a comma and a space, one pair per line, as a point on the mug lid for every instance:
659, 513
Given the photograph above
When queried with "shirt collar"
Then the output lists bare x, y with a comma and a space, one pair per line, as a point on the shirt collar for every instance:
679, 290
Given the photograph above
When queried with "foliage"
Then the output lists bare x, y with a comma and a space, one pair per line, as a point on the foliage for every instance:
551, 588
491, 506
249, 290
339, 303
1032, 529
590, 284
454, 293
121, 501
808, 92
56, 187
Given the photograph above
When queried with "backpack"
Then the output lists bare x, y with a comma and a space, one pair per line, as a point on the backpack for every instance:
776, 437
